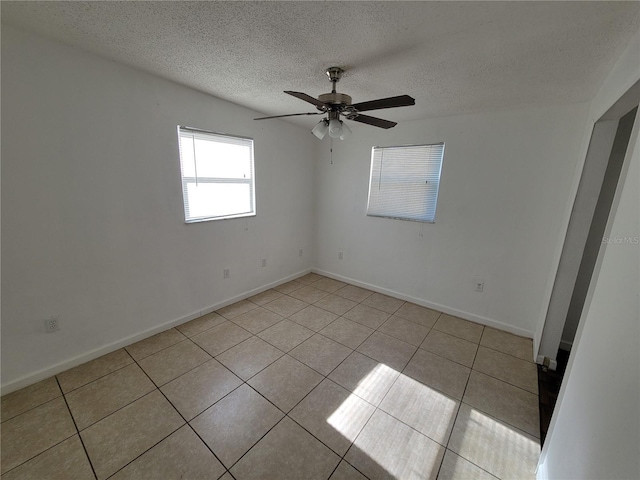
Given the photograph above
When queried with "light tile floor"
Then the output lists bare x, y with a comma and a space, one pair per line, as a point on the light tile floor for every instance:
314, 379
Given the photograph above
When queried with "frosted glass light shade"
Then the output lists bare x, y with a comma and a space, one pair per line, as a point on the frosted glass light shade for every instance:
346, 131
335, 128
320, 130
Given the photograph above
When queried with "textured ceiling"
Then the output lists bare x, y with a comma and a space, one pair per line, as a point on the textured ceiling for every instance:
452, 57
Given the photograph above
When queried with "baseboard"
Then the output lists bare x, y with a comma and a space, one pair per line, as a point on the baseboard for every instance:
435, 306
553, 363
60, 367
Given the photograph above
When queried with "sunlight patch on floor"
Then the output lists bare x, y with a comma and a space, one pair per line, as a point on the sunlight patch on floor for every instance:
496, 447
386, 446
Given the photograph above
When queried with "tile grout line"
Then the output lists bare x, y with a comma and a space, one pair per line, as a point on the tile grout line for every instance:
286, 414
466, 385
314, 436
504, 381
499, 420
78, 431
340, 457
265, 434
453, 423
334, 470
119, 408
167, 436
404, 423
97, 378
458, 413
50, 447
376, 407
161, 349
157, 388
442, 356
472, 463
33, 408
353, 349
226, 349
226, 470
507, 354
292, 298
353, 466
473, 369
184, 373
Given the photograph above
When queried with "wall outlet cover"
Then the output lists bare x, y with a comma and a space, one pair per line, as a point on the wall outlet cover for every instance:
51, 324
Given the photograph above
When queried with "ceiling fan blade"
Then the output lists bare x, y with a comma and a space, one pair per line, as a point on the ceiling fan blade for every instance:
308, 98
289, 115
376, 122
391, 102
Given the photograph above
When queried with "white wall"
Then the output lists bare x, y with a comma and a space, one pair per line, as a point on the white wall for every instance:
92, 221
595, 429
504, 185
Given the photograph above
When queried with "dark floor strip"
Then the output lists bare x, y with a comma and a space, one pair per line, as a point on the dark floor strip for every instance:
549, 382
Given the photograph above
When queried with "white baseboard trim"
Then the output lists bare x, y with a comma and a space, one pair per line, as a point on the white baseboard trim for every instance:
553, 364
435, 306
60, 367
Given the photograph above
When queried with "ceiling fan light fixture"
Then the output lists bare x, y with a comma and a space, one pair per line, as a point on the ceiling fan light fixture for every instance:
335, 104
346, 131
321, 129
335, 128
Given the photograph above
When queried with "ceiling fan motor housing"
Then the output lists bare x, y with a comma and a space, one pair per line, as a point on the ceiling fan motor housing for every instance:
337, 100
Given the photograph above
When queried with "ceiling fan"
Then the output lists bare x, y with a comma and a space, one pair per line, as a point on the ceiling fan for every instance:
335, 104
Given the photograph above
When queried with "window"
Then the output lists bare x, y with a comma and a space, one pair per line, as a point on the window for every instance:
217, 175
404, 182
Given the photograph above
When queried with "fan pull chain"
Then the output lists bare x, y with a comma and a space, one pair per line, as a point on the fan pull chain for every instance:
331, 150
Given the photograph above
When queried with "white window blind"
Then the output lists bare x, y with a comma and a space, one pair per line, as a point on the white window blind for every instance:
404, 182
217, 175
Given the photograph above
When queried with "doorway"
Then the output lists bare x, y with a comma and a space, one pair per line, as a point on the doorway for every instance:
599, 181
589, 216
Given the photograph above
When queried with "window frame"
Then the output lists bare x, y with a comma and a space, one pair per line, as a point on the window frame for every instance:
435, 195
190, 180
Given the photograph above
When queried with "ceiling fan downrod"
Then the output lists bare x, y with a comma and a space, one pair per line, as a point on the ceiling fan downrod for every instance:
336, 101
334, 74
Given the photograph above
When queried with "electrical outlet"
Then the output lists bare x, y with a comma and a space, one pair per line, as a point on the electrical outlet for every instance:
300, 252
226, 273
52, 324
479, 285
264, 262
340, 255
